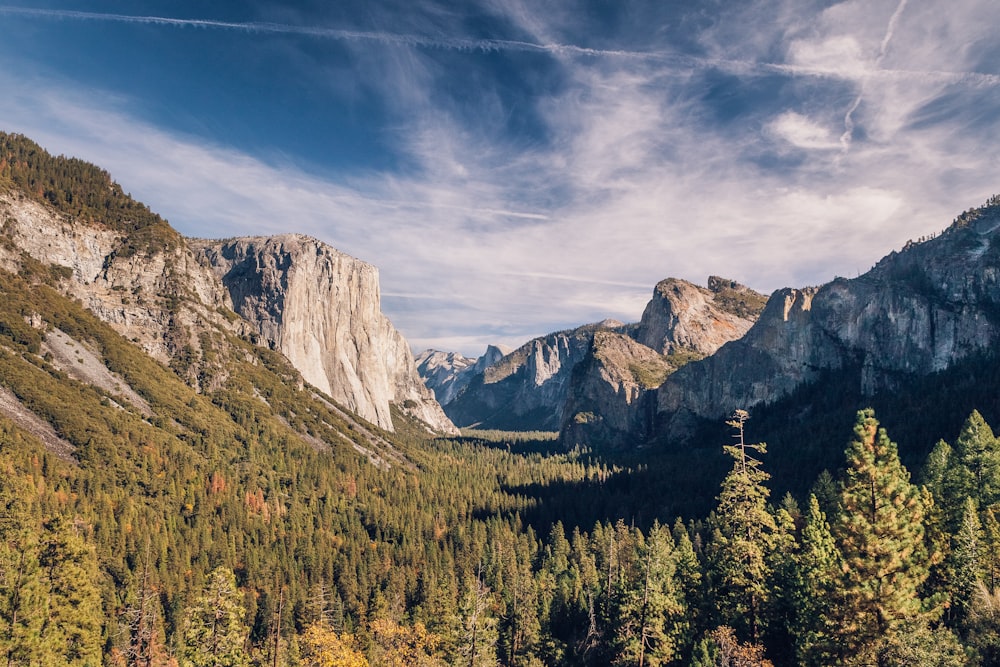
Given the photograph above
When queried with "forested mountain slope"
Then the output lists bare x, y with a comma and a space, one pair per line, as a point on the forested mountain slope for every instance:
217, 510
319, 307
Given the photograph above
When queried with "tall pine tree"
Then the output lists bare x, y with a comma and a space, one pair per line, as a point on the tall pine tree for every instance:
880, 536
743, 537
215, 631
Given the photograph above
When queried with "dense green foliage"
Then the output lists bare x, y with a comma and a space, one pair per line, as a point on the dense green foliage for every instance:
81, 190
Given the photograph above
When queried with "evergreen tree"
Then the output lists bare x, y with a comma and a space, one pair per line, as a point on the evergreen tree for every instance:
817, 564
477, 635
983, 626
22, 596
975, 469
689, 578
650, 619
880, 536
324, 647
215, 632
991, 550
965, 560
743, 538
936, 469
71, 630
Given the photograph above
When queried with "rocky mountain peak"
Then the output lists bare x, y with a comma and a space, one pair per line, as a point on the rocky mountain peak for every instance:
917, 312
448, 373
685, 316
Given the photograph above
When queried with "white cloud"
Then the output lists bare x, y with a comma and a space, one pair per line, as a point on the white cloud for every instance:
802, 132
488, 240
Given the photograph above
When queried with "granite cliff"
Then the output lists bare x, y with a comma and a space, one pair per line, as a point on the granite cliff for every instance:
156, 294
612, 396
919, 311
321, 309
593, 382
527, 388
682, 316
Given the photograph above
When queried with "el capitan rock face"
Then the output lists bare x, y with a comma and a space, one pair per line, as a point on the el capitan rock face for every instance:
317, 306
321, 309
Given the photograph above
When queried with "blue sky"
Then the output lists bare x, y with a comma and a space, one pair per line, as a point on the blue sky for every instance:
517, 167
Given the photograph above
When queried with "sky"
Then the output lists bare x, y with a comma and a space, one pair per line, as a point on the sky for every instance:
516, 167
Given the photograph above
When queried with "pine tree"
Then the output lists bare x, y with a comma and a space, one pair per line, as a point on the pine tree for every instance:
966, 560
22, 596
969, 470
141, 622
976, 465
71, 631
477, 634
743, 538
650, 618
214, 631
817, 563
324, 647
880, 535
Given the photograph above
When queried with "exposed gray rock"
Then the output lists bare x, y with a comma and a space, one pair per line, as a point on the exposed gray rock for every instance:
160, 299
916, 312
317, 306
611, 398
612, 401
321, 309
526, 389
447, 373
684, 316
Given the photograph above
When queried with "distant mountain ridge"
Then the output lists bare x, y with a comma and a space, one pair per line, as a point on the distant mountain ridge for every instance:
447, 373
525, 389
543, 384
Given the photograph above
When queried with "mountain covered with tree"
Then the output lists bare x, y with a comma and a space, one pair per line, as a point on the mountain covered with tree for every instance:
174, 491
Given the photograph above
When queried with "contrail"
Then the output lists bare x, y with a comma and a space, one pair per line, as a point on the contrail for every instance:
457, 44
680, 61
845, 138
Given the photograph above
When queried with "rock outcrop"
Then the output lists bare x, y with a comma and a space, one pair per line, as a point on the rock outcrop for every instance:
165, 296
539, 386
685, 316
158, 296
526, 389
321, 309
448, 373
611, 396
918, 311
612, 399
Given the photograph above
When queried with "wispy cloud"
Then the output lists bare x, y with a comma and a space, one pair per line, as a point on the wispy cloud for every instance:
661, 57
845, 138
640, 170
